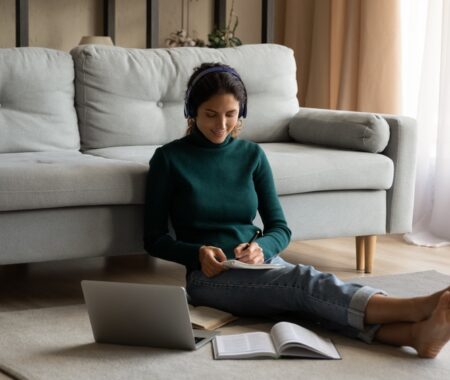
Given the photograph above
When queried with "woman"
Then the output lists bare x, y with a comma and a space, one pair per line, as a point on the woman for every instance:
211, 185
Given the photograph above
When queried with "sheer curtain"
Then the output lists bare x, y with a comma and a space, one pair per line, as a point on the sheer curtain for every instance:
426, 97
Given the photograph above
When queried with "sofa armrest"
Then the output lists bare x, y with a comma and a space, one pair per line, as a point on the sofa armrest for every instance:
361, 131
347, 130
402, 150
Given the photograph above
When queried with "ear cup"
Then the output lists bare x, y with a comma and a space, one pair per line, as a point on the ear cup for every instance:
189, 112
243, 108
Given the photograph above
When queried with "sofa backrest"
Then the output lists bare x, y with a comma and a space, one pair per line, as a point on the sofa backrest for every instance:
136, 96
37, 110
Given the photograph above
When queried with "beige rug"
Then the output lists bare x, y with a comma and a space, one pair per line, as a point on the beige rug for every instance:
57, 343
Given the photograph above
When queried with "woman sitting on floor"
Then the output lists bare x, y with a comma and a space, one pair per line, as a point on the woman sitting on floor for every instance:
212, 184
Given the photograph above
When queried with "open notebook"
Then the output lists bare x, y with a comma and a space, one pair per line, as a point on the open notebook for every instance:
236, 264
284, 339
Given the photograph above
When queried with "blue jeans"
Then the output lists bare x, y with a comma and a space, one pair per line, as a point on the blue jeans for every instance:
298, 289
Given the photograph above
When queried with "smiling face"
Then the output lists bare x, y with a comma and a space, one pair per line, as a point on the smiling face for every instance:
217, 117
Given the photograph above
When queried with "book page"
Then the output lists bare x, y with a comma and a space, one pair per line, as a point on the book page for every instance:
236, 264
209, 318
242, 346
292, 339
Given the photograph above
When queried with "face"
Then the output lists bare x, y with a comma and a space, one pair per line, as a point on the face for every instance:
217, 117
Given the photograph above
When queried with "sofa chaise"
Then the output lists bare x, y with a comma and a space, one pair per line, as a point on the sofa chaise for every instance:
77, 132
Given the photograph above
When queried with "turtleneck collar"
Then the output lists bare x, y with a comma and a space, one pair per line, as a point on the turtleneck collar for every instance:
198, 138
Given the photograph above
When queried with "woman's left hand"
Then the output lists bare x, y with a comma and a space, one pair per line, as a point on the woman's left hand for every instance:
250, 255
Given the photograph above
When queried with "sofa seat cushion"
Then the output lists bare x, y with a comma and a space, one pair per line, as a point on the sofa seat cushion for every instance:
36, 180
299, 168
140, 154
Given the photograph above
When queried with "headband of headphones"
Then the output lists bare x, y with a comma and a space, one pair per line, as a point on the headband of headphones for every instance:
189, 112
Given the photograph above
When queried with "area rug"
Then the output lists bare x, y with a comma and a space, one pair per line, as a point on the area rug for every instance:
57, 343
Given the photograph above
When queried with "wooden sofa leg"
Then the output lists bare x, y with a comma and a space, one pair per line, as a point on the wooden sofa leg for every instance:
370, 244
360, 253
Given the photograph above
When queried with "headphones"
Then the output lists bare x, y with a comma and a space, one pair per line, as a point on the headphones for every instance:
189, 112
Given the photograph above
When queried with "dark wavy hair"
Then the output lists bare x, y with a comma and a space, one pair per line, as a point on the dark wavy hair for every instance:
215, 83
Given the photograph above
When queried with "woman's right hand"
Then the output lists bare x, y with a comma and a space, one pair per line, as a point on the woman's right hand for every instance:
210, 260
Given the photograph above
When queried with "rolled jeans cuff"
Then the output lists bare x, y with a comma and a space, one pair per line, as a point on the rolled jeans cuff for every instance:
357, 312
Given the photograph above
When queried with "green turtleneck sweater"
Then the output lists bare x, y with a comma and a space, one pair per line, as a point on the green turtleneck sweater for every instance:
211, 193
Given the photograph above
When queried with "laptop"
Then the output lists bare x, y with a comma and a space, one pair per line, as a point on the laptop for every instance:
141, 315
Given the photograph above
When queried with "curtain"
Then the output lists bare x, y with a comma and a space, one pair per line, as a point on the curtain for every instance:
347, 53
426, 81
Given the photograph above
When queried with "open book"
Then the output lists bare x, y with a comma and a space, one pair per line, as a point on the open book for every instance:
285, 339
208, 318
236, 264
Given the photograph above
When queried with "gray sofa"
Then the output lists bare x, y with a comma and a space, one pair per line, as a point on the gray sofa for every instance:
77, 132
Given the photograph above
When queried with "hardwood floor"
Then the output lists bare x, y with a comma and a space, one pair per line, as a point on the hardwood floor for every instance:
393, 255
28, 286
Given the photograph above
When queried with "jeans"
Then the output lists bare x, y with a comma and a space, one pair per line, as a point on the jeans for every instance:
298, 289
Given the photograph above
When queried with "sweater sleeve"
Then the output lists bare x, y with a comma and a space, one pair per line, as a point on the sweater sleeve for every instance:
157, 240
276, 234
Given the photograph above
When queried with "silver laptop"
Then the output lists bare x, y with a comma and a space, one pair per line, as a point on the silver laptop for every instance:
141, 314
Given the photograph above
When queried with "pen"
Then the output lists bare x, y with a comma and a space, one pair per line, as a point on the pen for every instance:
257, 233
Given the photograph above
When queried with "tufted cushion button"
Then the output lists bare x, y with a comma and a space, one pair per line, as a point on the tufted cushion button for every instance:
160, 104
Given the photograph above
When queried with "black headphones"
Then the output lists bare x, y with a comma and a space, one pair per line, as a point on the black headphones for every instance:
189, 112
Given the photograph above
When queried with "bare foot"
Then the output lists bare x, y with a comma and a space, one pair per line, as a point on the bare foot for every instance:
424, 306
431, 335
